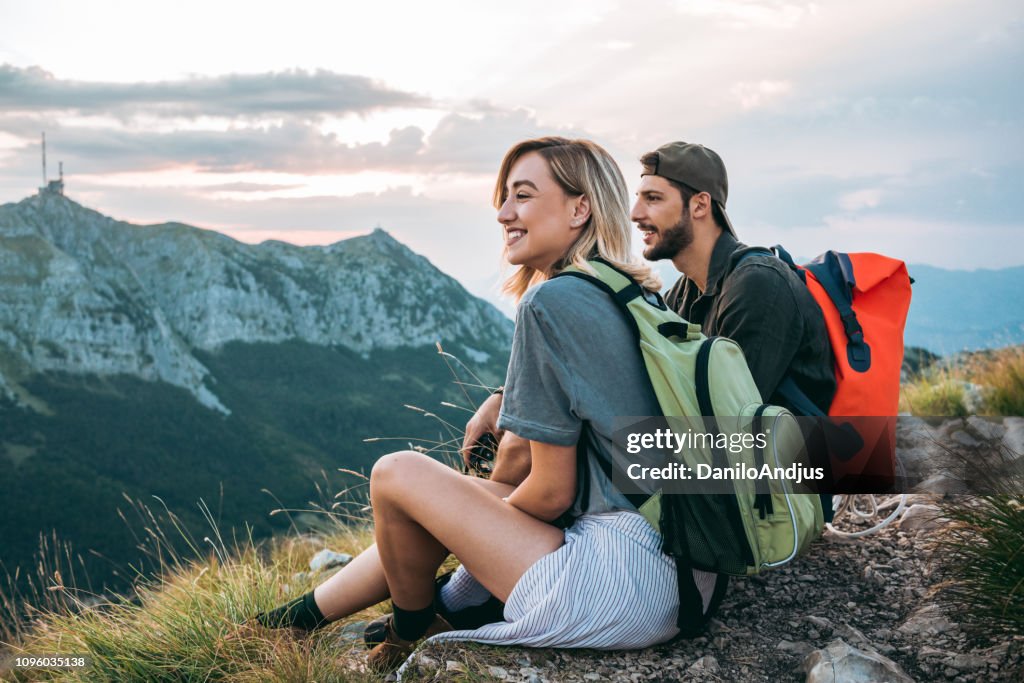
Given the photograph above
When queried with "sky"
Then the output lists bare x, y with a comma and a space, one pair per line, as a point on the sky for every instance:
895, 127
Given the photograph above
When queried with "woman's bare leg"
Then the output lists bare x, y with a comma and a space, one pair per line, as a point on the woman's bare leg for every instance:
423, 509
358, 585
361, 583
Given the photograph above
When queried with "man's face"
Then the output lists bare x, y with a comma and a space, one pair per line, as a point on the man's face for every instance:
662, 217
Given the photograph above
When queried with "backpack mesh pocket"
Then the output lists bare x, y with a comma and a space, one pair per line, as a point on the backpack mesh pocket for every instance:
695, 536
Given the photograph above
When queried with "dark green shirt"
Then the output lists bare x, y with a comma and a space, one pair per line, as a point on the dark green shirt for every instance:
764, 307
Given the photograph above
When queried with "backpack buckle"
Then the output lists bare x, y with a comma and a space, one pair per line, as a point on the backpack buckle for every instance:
854, 332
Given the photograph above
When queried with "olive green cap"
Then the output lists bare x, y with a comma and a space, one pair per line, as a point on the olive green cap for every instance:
695, 166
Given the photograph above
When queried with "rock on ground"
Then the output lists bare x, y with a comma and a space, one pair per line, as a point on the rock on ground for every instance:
328, 559
841, 663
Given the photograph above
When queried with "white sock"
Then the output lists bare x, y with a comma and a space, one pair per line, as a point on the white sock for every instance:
705, 585
463, 591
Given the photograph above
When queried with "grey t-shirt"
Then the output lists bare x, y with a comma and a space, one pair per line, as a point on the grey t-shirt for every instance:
575, 359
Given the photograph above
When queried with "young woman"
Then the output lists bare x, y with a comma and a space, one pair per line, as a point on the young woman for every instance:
602, 580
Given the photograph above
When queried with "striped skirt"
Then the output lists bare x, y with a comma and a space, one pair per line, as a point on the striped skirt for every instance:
608, 587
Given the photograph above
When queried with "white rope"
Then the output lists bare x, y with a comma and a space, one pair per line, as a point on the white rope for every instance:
869, 513
841, 504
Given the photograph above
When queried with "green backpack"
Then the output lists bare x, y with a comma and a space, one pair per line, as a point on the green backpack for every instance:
705, 382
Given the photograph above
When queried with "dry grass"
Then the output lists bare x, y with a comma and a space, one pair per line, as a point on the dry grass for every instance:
193, 620
943, 390
933, 395
1003, 375
189, 623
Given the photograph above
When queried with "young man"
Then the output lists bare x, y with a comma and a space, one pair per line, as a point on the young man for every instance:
731, 291
752, 298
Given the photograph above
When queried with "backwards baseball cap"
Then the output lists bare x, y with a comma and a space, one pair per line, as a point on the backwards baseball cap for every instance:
695, 166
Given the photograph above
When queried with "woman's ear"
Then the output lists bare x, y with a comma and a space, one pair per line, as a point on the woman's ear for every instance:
581, 211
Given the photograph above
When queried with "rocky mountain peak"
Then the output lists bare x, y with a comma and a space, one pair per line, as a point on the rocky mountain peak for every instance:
82, 292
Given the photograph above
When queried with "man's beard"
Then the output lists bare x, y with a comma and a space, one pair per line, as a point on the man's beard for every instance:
671, 241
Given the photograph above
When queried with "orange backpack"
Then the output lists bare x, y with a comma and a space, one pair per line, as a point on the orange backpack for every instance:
864, 298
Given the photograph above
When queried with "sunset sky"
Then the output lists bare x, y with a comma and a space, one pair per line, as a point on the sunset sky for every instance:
873, 125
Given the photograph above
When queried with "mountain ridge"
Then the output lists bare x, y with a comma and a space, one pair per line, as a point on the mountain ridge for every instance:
83, 292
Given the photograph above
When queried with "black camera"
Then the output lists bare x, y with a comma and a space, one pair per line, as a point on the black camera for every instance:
481, 456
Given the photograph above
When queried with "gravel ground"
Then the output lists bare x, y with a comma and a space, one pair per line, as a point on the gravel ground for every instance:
876, 593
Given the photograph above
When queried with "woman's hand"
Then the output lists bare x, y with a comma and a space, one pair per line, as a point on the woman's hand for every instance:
483, 421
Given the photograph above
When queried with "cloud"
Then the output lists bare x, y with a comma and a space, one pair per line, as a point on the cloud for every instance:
958, 215
778, 14
852, 109
471, 142
294, 92
478, 142
938, 190
755, 94
292, 146
860, 199
250, 187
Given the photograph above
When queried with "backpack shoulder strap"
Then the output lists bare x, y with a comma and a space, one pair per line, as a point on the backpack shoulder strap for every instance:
619, 285
800, 402
834, 272
785, 257
616, 285
641, 314
777, 251
745, 254
623, 290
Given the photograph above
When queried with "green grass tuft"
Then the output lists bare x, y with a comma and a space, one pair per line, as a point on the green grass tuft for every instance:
984, 554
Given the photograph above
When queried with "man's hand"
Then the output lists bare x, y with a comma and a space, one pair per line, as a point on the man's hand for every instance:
484, 420
550, 488
513, 462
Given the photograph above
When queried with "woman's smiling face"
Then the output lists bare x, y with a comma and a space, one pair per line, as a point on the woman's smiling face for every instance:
541, 221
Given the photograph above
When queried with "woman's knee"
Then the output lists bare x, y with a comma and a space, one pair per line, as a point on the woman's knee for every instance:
395, 470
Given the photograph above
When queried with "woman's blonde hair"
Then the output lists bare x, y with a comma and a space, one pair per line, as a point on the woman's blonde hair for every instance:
581, 167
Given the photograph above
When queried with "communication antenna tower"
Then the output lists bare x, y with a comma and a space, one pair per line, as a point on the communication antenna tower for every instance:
51, 186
